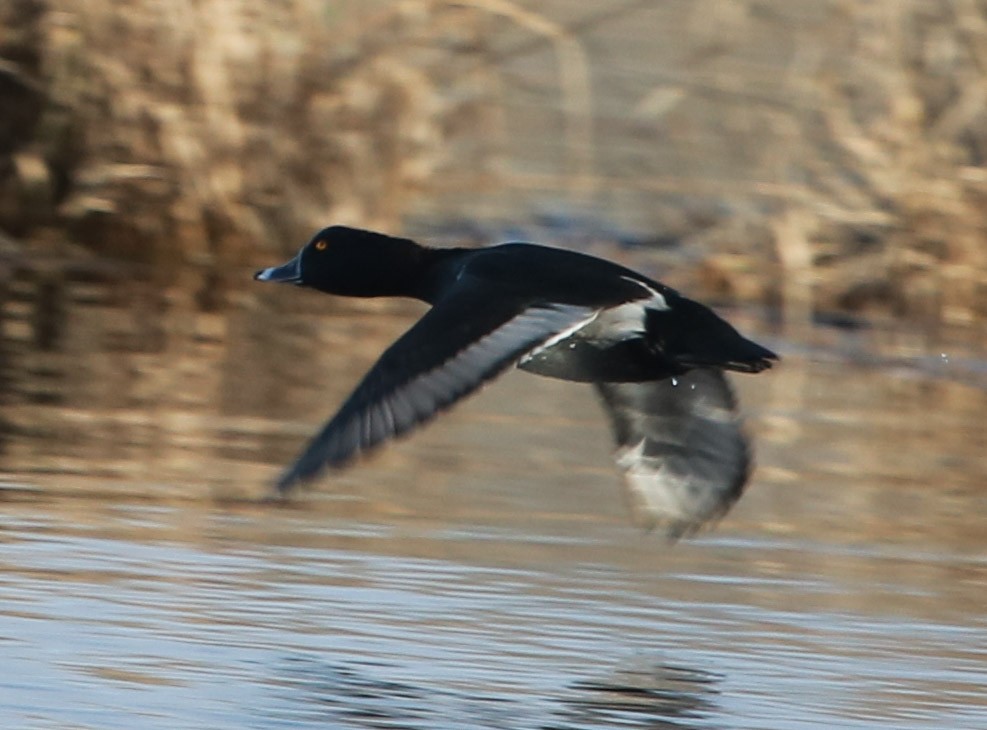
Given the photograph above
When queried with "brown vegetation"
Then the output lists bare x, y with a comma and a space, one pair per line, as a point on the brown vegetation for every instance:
838, 147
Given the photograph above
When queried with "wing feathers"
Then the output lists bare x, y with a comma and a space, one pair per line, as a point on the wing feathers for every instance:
447, 355
681, 448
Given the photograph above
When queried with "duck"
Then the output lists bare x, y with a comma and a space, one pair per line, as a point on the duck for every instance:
656, 359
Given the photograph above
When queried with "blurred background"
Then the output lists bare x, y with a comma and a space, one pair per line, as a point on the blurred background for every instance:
815, 169
825, 154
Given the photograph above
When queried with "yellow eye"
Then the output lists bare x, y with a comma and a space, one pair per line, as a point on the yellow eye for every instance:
320, 245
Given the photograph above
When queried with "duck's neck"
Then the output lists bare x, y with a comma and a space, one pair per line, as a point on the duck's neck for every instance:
437, 271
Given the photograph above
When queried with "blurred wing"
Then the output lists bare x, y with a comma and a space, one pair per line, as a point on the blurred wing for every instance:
465, 340
680, 446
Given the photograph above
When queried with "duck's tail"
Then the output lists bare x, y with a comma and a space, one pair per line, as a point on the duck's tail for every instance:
694, 336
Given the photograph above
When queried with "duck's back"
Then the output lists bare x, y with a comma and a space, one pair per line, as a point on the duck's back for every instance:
547, 274
641, 330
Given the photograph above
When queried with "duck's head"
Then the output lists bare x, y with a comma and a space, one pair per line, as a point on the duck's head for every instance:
349, 261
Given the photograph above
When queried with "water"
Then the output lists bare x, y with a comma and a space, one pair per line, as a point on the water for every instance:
482, 573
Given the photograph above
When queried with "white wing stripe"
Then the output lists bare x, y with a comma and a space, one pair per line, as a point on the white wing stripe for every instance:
464, 372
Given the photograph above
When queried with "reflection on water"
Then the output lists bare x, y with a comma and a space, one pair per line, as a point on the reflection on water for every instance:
654, 696
482, 573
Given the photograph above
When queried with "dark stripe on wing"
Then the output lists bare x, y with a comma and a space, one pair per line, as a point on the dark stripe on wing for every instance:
683, 454
462, 342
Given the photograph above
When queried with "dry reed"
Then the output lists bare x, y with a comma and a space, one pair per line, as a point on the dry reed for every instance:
835, 148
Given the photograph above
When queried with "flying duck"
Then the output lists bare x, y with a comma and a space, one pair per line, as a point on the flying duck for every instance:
656, 359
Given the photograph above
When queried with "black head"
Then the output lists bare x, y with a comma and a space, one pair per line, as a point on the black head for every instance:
351, 262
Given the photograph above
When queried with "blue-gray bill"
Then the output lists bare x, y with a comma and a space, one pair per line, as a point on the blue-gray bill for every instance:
287, 273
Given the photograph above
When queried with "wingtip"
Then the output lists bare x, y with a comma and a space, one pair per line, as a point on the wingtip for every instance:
286, 484
671, 533
279, 491
304, 470
674, 530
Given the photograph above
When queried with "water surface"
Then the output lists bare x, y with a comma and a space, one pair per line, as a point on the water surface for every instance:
481, 573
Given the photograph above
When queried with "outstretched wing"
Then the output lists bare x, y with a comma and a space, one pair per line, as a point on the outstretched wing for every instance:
680, 445
465, 340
